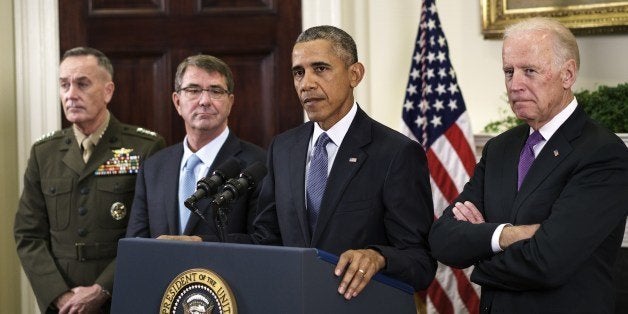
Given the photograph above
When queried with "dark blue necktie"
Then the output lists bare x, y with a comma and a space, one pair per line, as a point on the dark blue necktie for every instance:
317, 179
527, 156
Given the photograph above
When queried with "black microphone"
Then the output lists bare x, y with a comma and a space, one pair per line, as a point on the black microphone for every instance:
234, 188
210, 185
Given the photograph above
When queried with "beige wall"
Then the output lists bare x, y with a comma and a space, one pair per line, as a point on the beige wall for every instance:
386, 40
9, 266
384, 30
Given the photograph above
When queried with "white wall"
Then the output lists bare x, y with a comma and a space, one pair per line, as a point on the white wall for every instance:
385, 31
9, 265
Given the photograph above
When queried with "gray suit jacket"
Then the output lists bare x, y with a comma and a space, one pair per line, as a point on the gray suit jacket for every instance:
156, 205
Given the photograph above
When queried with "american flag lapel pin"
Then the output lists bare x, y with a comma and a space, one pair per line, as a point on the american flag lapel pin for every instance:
556, 153
353, 159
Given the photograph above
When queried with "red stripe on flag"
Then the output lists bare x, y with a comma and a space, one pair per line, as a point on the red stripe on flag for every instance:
467, 293
439, 298
441, 177
459, 142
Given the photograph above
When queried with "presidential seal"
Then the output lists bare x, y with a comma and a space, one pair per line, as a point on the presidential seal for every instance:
198, 291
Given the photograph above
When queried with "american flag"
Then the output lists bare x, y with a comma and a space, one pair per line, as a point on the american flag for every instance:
434, 114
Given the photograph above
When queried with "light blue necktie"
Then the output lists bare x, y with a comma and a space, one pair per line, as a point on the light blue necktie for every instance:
187, 186
317, 179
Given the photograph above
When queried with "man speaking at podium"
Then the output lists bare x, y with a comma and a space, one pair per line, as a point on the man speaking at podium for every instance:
343, 182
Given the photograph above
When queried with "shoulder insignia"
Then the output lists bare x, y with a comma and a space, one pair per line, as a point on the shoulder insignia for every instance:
45, 136
145, 131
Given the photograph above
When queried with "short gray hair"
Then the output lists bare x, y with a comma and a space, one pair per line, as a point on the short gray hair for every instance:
103, 61
342, 43
564, 43
208, 63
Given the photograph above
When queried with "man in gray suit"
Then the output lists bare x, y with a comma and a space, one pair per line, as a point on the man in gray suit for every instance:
543, 216
203, 97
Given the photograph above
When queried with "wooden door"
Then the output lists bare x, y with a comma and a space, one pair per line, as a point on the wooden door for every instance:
146, 40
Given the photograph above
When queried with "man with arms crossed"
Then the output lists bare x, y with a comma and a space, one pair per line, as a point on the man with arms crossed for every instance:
543, 216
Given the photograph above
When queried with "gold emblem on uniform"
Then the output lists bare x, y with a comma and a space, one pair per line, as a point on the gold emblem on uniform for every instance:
122, 162
118, 210
198, 291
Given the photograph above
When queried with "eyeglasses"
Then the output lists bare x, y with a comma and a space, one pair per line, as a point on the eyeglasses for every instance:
194, 93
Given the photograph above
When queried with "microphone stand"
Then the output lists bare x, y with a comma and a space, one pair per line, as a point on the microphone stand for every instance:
221, 221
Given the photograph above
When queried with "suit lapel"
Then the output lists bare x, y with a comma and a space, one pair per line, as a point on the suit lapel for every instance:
296, 179
171, 169
349, 159
508, 179
554, 152
230, 148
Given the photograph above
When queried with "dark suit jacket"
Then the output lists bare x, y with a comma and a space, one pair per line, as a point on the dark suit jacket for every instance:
577, 189
156, 206
378, 195
64, 231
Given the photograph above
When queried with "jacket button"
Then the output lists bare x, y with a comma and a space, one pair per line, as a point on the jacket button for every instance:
84, 190
82, 211
52, 190
82, 232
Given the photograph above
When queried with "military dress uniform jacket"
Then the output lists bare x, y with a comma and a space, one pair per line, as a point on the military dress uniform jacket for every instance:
70, 218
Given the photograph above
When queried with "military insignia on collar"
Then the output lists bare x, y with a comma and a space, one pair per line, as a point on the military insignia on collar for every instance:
122, 162
145, 131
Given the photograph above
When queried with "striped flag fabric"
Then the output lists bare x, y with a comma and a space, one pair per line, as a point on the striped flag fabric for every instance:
434, 114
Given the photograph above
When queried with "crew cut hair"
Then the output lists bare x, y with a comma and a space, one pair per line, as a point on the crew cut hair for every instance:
103, 61
342, 43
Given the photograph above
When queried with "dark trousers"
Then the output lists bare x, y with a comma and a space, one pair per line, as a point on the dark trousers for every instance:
621, 282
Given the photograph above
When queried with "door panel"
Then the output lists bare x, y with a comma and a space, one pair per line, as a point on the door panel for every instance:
146, 40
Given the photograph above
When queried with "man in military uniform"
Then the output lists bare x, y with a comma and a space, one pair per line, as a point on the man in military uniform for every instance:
78, 189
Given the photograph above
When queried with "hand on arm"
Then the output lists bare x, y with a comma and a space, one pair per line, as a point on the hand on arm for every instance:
358, 266
83, 300
467, 212
512, 234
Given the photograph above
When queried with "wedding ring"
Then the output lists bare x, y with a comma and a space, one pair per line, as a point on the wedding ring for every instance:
362, 272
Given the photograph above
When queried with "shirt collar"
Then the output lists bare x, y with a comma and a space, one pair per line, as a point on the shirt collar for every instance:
207, 153
94, 137
552, 125
338, 131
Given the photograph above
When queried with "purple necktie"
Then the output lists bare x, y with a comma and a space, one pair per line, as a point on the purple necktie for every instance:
317, 179
527, 156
